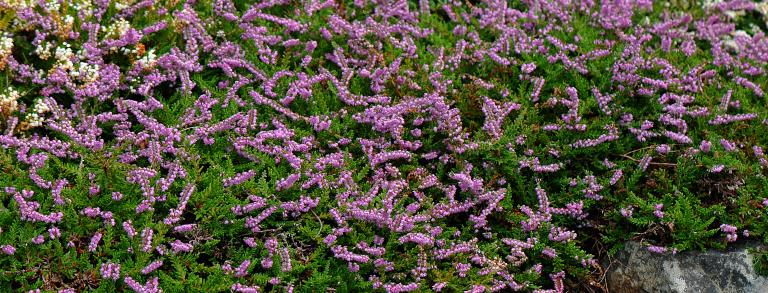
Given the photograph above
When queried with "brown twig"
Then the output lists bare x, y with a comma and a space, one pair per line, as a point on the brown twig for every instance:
652, 163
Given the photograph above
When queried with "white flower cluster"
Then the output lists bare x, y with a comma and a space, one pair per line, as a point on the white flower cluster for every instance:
64, 56
52, 5
18, 4
128, 51
86, 72
707, 4
762, 7
43, 50
6, 45
123, 4
116, 29
68, 21
84, 6
36, 118
67, 60
149, 60
41, 107
8, 101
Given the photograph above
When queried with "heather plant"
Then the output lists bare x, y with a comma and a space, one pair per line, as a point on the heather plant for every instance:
396, 146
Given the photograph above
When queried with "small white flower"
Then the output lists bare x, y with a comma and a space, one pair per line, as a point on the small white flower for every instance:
41, 107
120, 6
43, 50
762, 7
84, 6
6, 44
149, 59
89, 72
64, 52
116, 29
8, 103
52, 5
34, 120
735, 14
18, 4
711, 3
6, 47
69, 20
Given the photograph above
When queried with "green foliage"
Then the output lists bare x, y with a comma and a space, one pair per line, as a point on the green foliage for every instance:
695, 200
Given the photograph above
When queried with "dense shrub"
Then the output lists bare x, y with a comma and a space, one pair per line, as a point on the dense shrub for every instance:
372, 145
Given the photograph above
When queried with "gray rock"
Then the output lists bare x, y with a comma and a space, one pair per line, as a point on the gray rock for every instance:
634, 269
